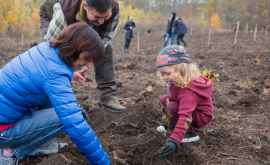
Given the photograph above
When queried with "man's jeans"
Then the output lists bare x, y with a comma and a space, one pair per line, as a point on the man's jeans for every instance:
29, 133
104, 73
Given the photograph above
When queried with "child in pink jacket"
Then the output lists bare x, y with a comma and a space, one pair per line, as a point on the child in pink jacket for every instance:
188, 100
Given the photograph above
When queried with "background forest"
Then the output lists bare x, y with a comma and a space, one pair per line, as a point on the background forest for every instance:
23, 15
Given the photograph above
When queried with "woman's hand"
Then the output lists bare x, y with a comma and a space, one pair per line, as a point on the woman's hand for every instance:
80, 76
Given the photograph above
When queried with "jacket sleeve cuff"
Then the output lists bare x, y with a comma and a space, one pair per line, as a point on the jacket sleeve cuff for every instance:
163, 99
176, 139
173, 140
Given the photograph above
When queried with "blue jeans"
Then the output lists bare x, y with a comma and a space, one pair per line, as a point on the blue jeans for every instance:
30, 132
167, 40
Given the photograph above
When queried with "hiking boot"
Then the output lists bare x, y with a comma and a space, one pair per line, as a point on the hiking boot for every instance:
113, 104
191, 136
7, 160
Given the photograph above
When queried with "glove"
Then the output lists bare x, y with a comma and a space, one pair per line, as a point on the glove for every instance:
168, 148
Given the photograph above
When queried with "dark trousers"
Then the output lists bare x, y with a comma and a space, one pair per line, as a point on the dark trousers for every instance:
104, 74
180, 38
127, 43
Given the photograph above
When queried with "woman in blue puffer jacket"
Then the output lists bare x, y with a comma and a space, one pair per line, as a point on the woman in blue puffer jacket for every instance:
41, 77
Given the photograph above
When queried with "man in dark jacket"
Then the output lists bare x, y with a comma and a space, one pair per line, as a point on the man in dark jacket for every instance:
129, 27
179, 30
102, 16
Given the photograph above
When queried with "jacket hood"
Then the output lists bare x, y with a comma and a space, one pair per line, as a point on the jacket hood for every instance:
202, 86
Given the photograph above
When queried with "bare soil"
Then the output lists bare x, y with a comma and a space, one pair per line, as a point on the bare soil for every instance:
239, 134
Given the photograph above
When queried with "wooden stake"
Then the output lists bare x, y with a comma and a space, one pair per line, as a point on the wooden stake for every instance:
266, 32
209, 36
22, 40
236, 33
255, 33
247, 28
138, 42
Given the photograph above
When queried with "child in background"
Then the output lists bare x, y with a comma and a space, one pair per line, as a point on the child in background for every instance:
188, 101
128, 28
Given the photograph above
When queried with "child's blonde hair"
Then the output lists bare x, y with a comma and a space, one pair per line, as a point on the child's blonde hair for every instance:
186, 72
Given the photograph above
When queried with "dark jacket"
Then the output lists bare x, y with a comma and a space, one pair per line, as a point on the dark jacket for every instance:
38, 78
170, 25
191, 105
129, 26
179, 27
70, 9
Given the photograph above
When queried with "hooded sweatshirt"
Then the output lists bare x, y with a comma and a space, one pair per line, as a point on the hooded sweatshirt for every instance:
189, 106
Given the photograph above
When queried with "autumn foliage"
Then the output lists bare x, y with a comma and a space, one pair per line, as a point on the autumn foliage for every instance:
137, 14
21, 15
215, 21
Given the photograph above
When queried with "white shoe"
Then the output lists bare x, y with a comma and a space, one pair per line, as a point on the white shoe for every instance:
191, 137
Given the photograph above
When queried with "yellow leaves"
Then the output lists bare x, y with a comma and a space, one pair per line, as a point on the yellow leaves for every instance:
18, 14
129, 10
215, 21
35, 15
135, 13
210, 74
12, 17
3, 24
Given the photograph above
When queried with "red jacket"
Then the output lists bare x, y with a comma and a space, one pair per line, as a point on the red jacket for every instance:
192, 105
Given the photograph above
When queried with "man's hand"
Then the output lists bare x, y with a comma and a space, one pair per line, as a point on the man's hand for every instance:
168, 148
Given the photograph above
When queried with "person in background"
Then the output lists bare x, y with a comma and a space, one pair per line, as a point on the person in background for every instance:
103, 17
178, 32
37, 101
128, 28
188, 102
168, 34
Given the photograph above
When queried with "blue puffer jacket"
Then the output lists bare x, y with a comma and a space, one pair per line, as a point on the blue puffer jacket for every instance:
37, 78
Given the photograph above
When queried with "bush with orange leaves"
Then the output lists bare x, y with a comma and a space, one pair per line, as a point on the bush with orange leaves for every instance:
20, 15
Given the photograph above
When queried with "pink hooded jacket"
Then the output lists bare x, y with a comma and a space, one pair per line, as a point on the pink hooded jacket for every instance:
190, 106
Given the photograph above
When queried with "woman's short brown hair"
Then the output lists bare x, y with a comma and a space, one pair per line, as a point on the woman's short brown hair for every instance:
79, 38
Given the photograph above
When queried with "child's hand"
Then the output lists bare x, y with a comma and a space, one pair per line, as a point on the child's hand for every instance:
164, 100
167, 101
168, 148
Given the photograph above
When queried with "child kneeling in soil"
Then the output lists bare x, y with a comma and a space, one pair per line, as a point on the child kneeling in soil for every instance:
188, 101
41, 77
